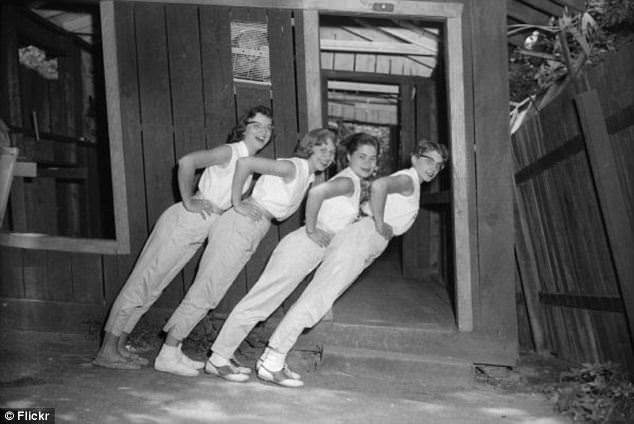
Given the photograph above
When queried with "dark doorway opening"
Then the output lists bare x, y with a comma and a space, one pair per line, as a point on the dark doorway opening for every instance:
411, 284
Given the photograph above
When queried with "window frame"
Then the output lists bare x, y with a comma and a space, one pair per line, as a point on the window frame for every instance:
121, 243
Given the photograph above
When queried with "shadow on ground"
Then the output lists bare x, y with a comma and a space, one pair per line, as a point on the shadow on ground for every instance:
55, 370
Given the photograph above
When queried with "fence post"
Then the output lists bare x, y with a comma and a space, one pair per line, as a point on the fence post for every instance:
611, 196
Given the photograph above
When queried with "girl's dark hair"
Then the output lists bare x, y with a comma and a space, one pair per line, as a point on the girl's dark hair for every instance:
313, 138
425, 146
237, 132
351, 143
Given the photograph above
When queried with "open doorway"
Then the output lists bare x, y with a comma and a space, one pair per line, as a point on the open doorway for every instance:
385, 76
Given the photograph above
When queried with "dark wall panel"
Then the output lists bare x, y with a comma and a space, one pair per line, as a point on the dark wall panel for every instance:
217, 74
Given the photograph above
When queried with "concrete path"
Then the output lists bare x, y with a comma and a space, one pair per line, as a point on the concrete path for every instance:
52, 370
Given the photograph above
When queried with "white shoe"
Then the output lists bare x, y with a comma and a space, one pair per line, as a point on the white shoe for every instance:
169, 360
285, 369
191, 363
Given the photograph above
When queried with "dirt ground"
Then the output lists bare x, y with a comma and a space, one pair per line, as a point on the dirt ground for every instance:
47, 370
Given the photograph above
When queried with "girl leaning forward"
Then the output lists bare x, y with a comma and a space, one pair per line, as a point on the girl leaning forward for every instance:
330, 207
178, 233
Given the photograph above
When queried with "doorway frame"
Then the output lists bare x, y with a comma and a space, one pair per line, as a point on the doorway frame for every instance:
461, 155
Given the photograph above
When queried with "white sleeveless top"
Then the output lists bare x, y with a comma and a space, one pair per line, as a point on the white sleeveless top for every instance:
337, 212
281, 198
215, 181
400, 211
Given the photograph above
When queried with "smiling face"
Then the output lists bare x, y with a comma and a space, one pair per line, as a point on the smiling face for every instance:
428, 165
363, 160
258, 131
322, 156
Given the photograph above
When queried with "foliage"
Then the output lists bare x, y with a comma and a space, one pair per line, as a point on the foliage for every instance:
566, 44
595, 393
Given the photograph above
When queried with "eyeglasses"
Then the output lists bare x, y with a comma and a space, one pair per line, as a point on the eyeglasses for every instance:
260, 126
439, 165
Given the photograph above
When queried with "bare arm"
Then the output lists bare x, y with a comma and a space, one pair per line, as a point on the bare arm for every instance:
250, 165
187, 166
342, 186
381, 187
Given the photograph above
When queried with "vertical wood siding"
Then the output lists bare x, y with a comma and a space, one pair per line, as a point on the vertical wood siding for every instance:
582, 312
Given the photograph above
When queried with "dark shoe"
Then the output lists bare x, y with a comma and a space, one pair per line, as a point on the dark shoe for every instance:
227, 372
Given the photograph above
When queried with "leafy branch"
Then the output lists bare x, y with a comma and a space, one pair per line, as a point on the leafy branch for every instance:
564, 46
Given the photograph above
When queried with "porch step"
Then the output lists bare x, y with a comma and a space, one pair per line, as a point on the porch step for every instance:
392, 368
421, 341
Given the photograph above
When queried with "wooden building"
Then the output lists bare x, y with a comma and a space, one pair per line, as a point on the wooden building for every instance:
176, 76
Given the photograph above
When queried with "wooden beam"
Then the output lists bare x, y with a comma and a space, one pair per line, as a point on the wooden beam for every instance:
370, 77
612, 199
564, 152
115, 126
312, 66
25, 169
462, 179
365, 87
429, 45
433, 10
526, 14
595, 303
547, 6
66, 244
380, 47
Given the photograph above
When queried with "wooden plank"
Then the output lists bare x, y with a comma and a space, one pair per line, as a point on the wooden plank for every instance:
549, 160
126, 110
185, 72
10, 109
35, 274
183, 31
301, 74
87, 282
493, 294
312, 68
59, 276
66, 244
460, 98
431, 10
23, 314
285, 108
217, 73
283, 82
611, 196
114, 90
43, 218
595, 303
11, 273
526, 14
156, 109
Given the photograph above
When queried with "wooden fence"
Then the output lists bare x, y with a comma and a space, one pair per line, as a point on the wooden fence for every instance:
574, 199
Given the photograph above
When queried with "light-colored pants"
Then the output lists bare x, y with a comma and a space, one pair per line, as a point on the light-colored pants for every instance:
294, 258
351, 251
235, 239
175, 238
